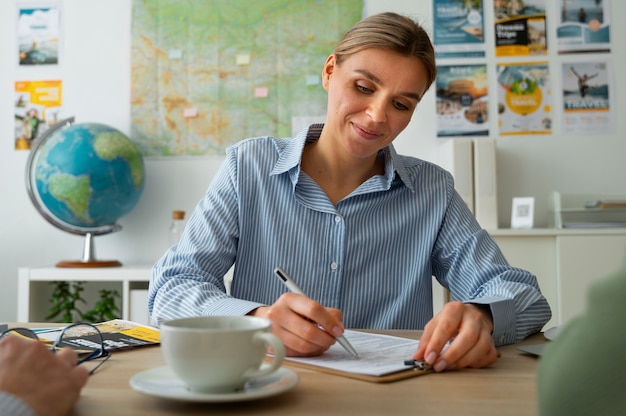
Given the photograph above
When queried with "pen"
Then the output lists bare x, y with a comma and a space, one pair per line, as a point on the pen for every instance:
293, 287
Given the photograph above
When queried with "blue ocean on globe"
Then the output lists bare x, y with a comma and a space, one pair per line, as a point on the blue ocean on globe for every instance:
88, 175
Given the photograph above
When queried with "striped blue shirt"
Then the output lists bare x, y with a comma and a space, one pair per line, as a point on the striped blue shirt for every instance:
372, 255
13, 406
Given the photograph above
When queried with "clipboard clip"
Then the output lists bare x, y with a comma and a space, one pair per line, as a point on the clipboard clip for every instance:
418, 365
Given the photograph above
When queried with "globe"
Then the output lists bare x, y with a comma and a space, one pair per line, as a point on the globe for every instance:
82, 178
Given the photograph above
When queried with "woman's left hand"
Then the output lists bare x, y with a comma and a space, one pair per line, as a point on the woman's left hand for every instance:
469, 329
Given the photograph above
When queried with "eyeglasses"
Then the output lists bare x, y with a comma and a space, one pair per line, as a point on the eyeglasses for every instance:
86, 339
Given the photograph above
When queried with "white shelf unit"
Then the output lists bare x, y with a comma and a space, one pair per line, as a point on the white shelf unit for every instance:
34, 288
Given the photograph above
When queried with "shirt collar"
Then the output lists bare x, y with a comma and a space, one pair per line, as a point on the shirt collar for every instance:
290, 154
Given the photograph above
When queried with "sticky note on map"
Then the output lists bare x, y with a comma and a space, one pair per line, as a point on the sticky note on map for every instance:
190, 112
261, 92
243, 59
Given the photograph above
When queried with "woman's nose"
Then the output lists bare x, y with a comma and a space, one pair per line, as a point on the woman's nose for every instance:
377, 111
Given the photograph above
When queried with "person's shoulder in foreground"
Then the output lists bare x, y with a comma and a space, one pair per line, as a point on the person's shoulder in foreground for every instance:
583, 371
36, 381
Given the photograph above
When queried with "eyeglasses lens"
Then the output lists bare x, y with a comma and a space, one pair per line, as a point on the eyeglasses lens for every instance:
19, 332
87, 340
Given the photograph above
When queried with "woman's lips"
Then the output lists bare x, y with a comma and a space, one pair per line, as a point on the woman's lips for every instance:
366, 133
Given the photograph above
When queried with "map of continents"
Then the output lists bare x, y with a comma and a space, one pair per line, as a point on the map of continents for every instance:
209, 73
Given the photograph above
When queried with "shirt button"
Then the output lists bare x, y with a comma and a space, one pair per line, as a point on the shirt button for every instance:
337, 219
334, 266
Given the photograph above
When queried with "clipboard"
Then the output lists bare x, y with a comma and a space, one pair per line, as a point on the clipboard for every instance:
386, 378
381, 358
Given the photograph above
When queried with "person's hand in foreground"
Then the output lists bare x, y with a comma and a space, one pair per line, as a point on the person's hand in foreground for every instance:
49, 383
305, 327
469, 327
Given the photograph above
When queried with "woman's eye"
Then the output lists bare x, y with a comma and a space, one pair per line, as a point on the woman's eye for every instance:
363, 89
400, 106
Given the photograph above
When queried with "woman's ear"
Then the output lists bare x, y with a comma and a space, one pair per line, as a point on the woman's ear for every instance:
329, 67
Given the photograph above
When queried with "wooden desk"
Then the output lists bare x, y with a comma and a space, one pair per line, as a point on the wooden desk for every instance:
507, 388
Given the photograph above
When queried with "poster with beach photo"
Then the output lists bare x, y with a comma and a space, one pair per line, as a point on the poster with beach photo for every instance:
38, 33
524, 99
583, 26
587, 98
462, 105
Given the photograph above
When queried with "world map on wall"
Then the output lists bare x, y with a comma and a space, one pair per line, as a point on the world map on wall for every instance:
209, 73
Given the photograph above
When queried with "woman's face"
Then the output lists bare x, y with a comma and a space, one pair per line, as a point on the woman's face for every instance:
371, 98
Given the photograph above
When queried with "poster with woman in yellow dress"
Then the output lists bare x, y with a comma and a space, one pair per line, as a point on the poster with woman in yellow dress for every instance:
37, 106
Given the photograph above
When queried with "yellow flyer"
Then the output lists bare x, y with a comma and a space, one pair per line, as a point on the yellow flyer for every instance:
524, 98
37, 107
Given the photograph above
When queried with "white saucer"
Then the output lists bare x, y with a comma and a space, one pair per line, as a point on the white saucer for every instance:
161, 382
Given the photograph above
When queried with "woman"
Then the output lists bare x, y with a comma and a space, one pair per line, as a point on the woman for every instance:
360, 228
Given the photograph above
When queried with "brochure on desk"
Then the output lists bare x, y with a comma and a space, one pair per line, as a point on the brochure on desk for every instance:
381, 358
118, 334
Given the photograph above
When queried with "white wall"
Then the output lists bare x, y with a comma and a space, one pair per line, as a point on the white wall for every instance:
96, 75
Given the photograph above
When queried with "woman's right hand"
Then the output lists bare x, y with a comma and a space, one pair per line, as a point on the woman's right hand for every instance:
305, 327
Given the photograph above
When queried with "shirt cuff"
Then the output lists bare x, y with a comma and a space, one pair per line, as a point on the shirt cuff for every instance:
503, 316
12, 405
232, 307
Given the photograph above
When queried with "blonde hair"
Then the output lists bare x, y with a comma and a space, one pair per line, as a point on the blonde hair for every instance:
389, 31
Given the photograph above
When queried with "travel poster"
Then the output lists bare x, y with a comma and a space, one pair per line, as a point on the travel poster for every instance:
524, 99
520, 27
587, 105
458, 28
462, 105
583, 26
38, 34
37, 107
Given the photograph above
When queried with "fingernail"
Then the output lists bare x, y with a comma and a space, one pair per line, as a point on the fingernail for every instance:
430, 358
337, 331
440, 366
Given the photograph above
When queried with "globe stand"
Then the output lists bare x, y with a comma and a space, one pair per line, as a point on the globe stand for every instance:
89, 257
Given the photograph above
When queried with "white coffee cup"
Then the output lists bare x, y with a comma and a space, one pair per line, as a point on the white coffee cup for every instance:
219, 354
